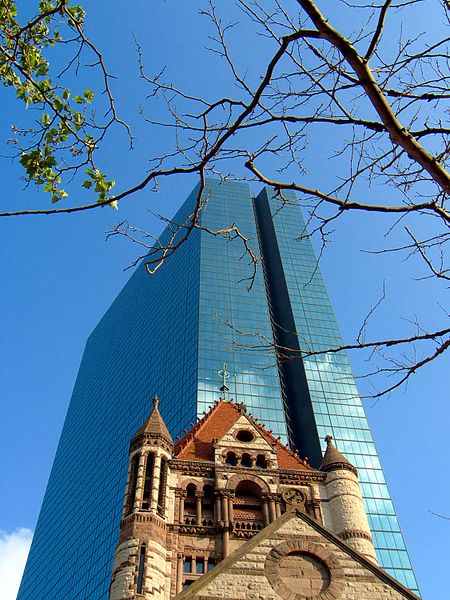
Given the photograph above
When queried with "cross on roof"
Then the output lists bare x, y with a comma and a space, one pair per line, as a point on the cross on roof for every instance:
224, 374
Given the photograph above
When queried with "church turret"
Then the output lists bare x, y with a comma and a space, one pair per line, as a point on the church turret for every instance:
150, 450
139, 563
345, 502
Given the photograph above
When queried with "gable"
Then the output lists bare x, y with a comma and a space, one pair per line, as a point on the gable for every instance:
198, 443
293, 558
244, 436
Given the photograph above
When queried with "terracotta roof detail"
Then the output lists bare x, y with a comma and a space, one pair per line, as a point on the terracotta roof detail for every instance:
333, 459
154, 425
198, 443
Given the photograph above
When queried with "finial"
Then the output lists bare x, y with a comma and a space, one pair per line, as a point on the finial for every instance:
329, 439
155, 401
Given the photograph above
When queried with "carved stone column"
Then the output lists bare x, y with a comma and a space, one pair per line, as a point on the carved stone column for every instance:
225, 509
180, 495
227, 504
272, 513
217, 508
277, 507
179, 572
230, 506
140, 482
155, 486
265, 510
198, 507
315, 505
226, 542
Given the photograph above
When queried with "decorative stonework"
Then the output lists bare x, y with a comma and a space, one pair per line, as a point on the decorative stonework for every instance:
293, 497
234, 481
304, 573
301, 569
354, 533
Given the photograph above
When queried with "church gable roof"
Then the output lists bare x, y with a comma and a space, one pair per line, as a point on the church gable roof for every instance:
274, 554
198, 443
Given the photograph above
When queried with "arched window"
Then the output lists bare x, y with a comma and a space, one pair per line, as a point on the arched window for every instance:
261, 462
132, 484
247, 511
190, 505
246, 460
231, 459
140, 580
208, 505
148, 481
162, 487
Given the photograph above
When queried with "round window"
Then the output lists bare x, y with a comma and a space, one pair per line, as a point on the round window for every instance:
244, 435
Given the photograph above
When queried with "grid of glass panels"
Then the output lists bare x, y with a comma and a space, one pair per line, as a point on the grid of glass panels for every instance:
146, 343
230, 313
338, 409
170, 334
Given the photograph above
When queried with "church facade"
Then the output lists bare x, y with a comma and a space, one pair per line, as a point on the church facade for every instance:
228, 511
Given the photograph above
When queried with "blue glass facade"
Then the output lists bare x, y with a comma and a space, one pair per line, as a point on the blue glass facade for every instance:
169, 334
330, 387
228, 312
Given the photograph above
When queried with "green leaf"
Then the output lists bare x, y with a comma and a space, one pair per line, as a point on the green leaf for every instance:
88, 95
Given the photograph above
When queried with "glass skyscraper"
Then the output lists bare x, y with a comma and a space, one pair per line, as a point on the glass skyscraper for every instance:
170, 334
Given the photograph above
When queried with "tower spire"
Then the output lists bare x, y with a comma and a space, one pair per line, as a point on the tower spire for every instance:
154, 425
333, 459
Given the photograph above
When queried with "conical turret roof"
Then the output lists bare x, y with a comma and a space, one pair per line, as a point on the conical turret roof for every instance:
154, 425
333, 459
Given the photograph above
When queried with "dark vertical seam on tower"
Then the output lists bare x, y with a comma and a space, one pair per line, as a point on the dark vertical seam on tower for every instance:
199, 263
297, 400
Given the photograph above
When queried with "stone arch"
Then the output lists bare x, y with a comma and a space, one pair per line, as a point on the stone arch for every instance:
261, 461
132, 483
207, 504
319, 559
149, 470
234, 481
197, 484
230, 458
192, 487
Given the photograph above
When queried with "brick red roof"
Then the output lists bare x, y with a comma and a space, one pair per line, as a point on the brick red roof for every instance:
197, 444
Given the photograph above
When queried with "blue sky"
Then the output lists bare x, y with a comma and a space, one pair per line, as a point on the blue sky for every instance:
58, 276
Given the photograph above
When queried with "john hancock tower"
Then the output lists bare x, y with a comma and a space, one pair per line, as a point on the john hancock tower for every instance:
170, 334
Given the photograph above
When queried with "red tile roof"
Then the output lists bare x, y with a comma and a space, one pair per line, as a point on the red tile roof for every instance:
197, 444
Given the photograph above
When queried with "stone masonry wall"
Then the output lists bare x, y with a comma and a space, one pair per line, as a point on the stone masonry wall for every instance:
294, 562
346, 509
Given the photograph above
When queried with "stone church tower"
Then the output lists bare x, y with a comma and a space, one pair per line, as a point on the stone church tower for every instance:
230, 512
